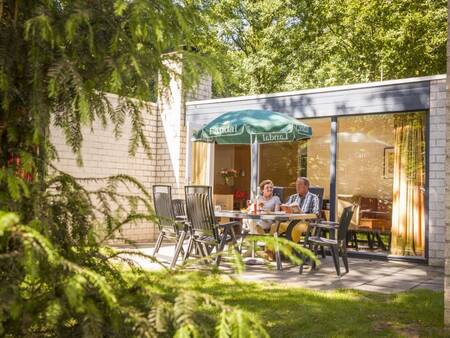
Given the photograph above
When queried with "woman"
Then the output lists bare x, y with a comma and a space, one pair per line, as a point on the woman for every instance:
265, 202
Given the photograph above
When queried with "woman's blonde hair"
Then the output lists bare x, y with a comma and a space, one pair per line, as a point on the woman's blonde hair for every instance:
263, 183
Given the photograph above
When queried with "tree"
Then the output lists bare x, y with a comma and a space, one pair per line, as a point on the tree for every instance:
57, 277
276, 46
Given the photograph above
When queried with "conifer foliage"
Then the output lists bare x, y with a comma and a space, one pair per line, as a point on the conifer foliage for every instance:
58, 59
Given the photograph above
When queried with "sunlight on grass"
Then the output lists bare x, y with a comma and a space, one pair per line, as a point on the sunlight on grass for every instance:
287, 311
294, 312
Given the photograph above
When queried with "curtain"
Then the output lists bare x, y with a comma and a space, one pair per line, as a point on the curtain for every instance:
408, 209
199, 162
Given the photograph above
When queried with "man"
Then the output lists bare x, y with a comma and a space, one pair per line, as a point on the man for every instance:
304, 202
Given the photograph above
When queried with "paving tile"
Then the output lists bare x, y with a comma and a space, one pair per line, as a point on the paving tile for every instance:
394, 283
429, 286
368, 275
377, 288
401, 278
436, 280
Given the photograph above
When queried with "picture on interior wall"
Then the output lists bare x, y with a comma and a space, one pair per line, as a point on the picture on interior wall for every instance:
388, 171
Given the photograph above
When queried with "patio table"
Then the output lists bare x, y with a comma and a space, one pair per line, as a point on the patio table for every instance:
269, 216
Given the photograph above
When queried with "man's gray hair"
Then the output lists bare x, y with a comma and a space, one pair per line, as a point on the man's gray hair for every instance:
304, 179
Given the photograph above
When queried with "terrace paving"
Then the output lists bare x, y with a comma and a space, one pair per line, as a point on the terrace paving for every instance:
365, 274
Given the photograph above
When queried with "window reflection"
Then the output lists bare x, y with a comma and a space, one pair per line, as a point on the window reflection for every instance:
380, 169
283, 162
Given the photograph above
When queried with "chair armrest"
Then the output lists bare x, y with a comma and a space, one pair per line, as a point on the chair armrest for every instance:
229, 224
326, 222
181, 225
331, 226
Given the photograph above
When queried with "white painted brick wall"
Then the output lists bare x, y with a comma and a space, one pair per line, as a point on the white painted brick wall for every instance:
103, 155
437, 164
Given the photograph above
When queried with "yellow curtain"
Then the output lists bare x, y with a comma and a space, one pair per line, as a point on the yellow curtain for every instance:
199, 162
408, 215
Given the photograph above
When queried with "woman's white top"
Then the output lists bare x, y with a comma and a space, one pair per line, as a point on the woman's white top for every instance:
270, 204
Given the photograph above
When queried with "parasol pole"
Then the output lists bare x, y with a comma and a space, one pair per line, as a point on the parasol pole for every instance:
254, 155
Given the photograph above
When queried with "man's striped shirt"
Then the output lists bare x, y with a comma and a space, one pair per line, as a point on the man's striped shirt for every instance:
308, 204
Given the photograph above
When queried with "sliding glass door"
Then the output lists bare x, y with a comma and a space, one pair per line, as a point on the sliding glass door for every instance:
381, 169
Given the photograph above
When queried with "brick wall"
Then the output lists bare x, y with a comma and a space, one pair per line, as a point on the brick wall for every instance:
103, 155
172, 132
446, 199
165, 128
437, 161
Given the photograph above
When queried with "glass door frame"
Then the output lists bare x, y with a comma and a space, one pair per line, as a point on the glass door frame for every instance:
333, 186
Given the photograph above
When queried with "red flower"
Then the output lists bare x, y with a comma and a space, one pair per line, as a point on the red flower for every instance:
240, 195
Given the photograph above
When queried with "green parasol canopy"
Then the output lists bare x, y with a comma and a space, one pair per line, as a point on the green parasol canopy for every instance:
253, 127
250, 126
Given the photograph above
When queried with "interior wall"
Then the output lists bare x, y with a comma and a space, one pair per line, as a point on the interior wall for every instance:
223, 159
242, 164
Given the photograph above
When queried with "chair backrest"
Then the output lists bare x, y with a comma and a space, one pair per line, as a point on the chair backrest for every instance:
279, 191
319, 192
162, 200
200, 210
344, 222
178, 206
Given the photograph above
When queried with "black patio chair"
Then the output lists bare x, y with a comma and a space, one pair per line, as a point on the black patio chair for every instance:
206, 234
279, 191
318, 191
169, 226
179, 208
337, 241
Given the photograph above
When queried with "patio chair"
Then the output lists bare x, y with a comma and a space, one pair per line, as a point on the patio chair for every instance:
206, 234
169, 226
279, 191
337, 241
319, 192
179, 208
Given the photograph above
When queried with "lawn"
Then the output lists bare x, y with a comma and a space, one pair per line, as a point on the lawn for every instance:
296, 312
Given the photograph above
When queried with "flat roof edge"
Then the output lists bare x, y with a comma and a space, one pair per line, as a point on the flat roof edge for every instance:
322, 90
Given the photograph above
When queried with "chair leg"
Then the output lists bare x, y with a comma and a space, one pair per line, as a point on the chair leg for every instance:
315, 249
221, 247
180, 233
322, 250
240, 243
380, 241
189, 248
205, 252
345, 259
335, 253
355, 237
370, 240
178, 249
277, 253
158, 243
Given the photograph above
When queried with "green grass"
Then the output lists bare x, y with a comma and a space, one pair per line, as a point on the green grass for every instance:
296, 312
